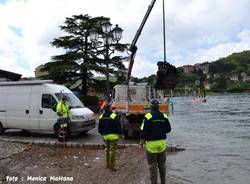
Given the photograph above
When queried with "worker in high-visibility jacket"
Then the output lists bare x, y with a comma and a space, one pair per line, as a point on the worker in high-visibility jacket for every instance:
63, 119
154, 128
110, 129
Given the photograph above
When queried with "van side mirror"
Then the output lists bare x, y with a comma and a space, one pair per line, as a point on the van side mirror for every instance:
54, 107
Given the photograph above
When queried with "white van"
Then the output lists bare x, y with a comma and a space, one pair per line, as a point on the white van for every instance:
30, 105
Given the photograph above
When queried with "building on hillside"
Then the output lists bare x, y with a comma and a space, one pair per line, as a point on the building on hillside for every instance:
39, 73
245, 77
243, 74
204, 67
216, 75
9, 76
189, 69
207, 86
234, 78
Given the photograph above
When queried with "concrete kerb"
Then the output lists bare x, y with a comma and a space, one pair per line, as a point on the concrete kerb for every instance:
67, 144
81, 145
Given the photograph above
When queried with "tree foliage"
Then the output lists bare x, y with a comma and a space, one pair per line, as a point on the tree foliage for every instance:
232, 63
82, 59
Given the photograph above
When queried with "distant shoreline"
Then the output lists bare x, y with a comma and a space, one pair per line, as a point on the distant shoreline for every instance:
214, 94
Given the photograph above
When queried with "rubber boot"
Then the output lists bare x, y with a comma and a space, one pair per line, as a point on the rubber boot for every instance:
112, 162
107, 154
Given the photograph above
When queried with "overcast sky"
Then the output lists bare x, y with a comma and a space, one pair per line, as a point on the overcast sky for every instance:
197, 30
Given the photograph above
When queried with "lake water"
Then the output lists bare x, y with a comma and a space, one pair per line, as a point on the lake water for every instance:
216, 135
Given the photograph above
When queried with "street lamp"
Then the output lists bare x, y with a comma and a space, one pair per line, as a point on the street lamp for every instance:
110, 36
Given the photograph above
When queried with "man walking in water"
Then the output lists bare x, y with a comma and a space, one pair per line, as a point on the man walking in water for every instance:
154, 128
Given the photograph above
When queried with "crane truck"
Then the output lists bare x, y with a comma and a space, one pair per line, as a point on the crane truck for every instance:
132, 100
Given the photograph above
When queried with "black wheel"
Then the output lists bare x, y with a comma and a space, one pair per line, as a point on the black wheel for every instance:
56, 130
26, 132
124, 123
84, 132
1, 129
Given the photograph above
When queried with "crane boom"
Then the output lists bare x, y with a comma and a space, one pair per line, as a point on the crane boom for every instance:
133, 47
167, 75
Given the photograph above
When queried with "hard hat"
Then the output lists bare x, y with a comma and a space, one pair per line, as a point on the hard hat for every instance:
154, 102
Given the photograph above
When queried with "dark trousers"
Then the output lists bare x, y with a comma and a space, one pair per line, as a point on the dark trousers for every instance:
111, 154
155, 161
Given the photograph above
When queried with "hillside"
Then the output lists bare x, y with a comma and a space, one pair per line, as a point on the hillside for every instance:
228, 74
237, 62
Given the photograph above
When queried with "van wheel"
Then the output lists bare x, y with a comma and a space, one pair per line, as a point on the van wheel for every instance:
84, 132
26, 132
56, 130
1, 129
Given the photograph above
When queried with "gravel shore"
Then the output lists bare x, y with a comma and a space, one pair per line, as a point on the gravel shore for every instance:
38, 164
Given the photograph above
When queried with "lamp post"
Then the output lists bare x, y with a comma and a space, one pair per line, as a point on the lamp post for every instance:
109, 37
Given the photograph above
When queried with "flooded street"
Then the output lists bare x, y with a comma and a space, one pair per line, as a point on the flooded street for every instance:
216, 136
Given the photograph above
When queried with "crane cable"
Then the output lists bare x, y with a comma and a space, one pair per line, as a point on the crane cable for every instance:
164, 38
167, 75
164, 29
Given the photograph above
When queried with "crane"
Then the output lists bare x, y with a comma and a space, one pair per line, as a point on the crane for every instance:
132, 101
167, 76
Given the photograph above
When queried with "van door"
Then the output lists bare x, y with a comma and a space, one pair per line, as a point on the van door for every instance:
35, 104
18, 107
48, 116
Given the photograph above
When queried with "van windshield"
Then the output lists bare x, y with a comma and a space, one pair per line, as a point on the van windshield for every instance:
73, 101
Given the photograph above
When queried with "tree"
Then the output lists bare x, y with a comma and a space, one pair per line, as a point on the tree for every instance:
248, 71
220, 84
240, 69
82, 59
